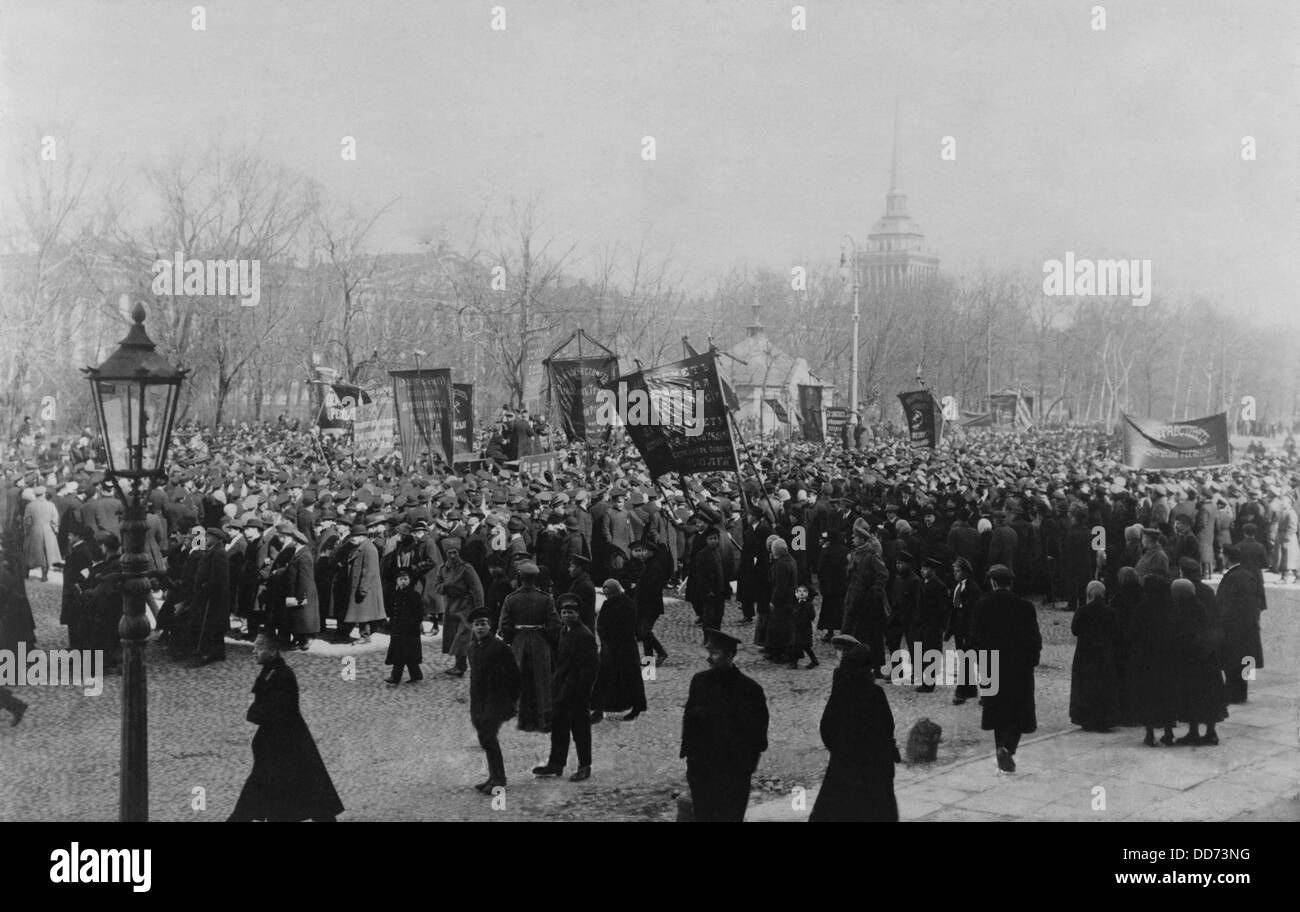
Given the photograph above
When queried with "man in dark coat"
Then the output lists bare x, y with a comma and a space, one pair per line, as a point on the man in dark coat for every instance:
404, 648
1241, 599
833, 579
925, 632
493, 694
1007, 626
584, 588
289, 781
576, 669
857, 728
211, 599
76, 573
724, 732
965, 596
646, 576
619, 685
707, 587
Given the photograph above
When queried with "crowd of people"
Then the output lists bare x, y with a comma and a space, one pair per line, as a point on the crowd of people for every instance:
878, 548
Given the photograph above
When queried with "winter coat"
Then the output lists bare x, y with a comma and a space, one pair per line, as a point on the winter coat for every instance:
857, 728
619, 685
289, 781
1009, 624
365, 587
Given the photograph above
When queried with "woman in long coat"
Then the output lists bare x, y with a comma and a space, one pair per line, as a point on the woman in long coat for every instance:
41, 525
1094, 677
857, 728
1150, 670
1128, 594
289, 781
1197, 675
754, 586
619, 685
966, 594
783, 575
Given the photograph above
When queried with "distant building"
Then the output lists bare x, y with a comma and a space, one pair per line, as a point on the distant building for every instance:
767, 383
896, 253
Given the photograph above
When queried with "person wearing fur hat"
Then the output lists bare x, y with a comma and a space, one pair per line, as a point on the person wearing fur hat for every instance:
289, 781
461, 591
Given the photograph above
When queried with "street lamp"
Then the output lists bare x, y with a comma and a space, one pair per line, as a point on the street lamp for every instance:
844, 275
135, 391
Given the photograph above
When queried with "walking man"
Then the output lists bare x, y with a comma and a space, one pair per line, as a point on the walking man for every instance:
493, 694
724, 732
1007, 625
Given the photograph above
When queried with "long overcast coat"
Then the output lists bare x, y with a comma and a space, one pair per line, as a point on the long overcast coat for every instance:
857, 728
365, 587
1009, 624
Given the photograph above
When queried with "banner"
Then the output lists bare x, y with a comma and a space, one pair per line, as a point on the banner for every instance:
538, 463
837, 419
676, 416
339, 409
924, 419
810, 413
574, 382
463, 417
728, 394
1153, 444
422, 403
374, 432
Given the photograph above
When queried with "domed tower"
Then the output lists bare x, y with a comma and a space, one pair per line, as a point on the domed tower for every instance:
896, 253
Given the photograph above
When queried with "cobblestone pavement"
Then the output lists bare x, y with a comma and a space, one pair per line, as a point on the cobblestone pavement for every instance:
409, 753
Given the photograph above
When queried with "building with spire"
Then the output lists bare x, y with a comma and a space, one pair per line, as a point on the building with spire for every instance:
896, 253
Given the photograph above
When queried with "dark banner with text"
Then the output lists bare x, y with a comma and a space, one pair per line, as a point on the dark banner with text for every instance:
810, 413
1199, 443
924, 419
676, 415
339, 409
574, 383
423, 404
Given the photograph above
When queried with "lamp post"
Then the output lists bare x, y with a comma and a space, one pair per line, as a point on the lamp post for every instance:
844, 275
136, 392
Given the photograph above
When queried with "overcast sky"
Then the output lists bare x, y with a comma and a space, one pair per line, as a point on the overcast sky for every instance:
771, 143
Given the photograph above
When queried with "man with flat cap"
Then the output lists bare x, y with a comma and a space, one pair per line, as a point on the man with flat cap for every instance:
724, 732
493, 694
576, 668
1006, 625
